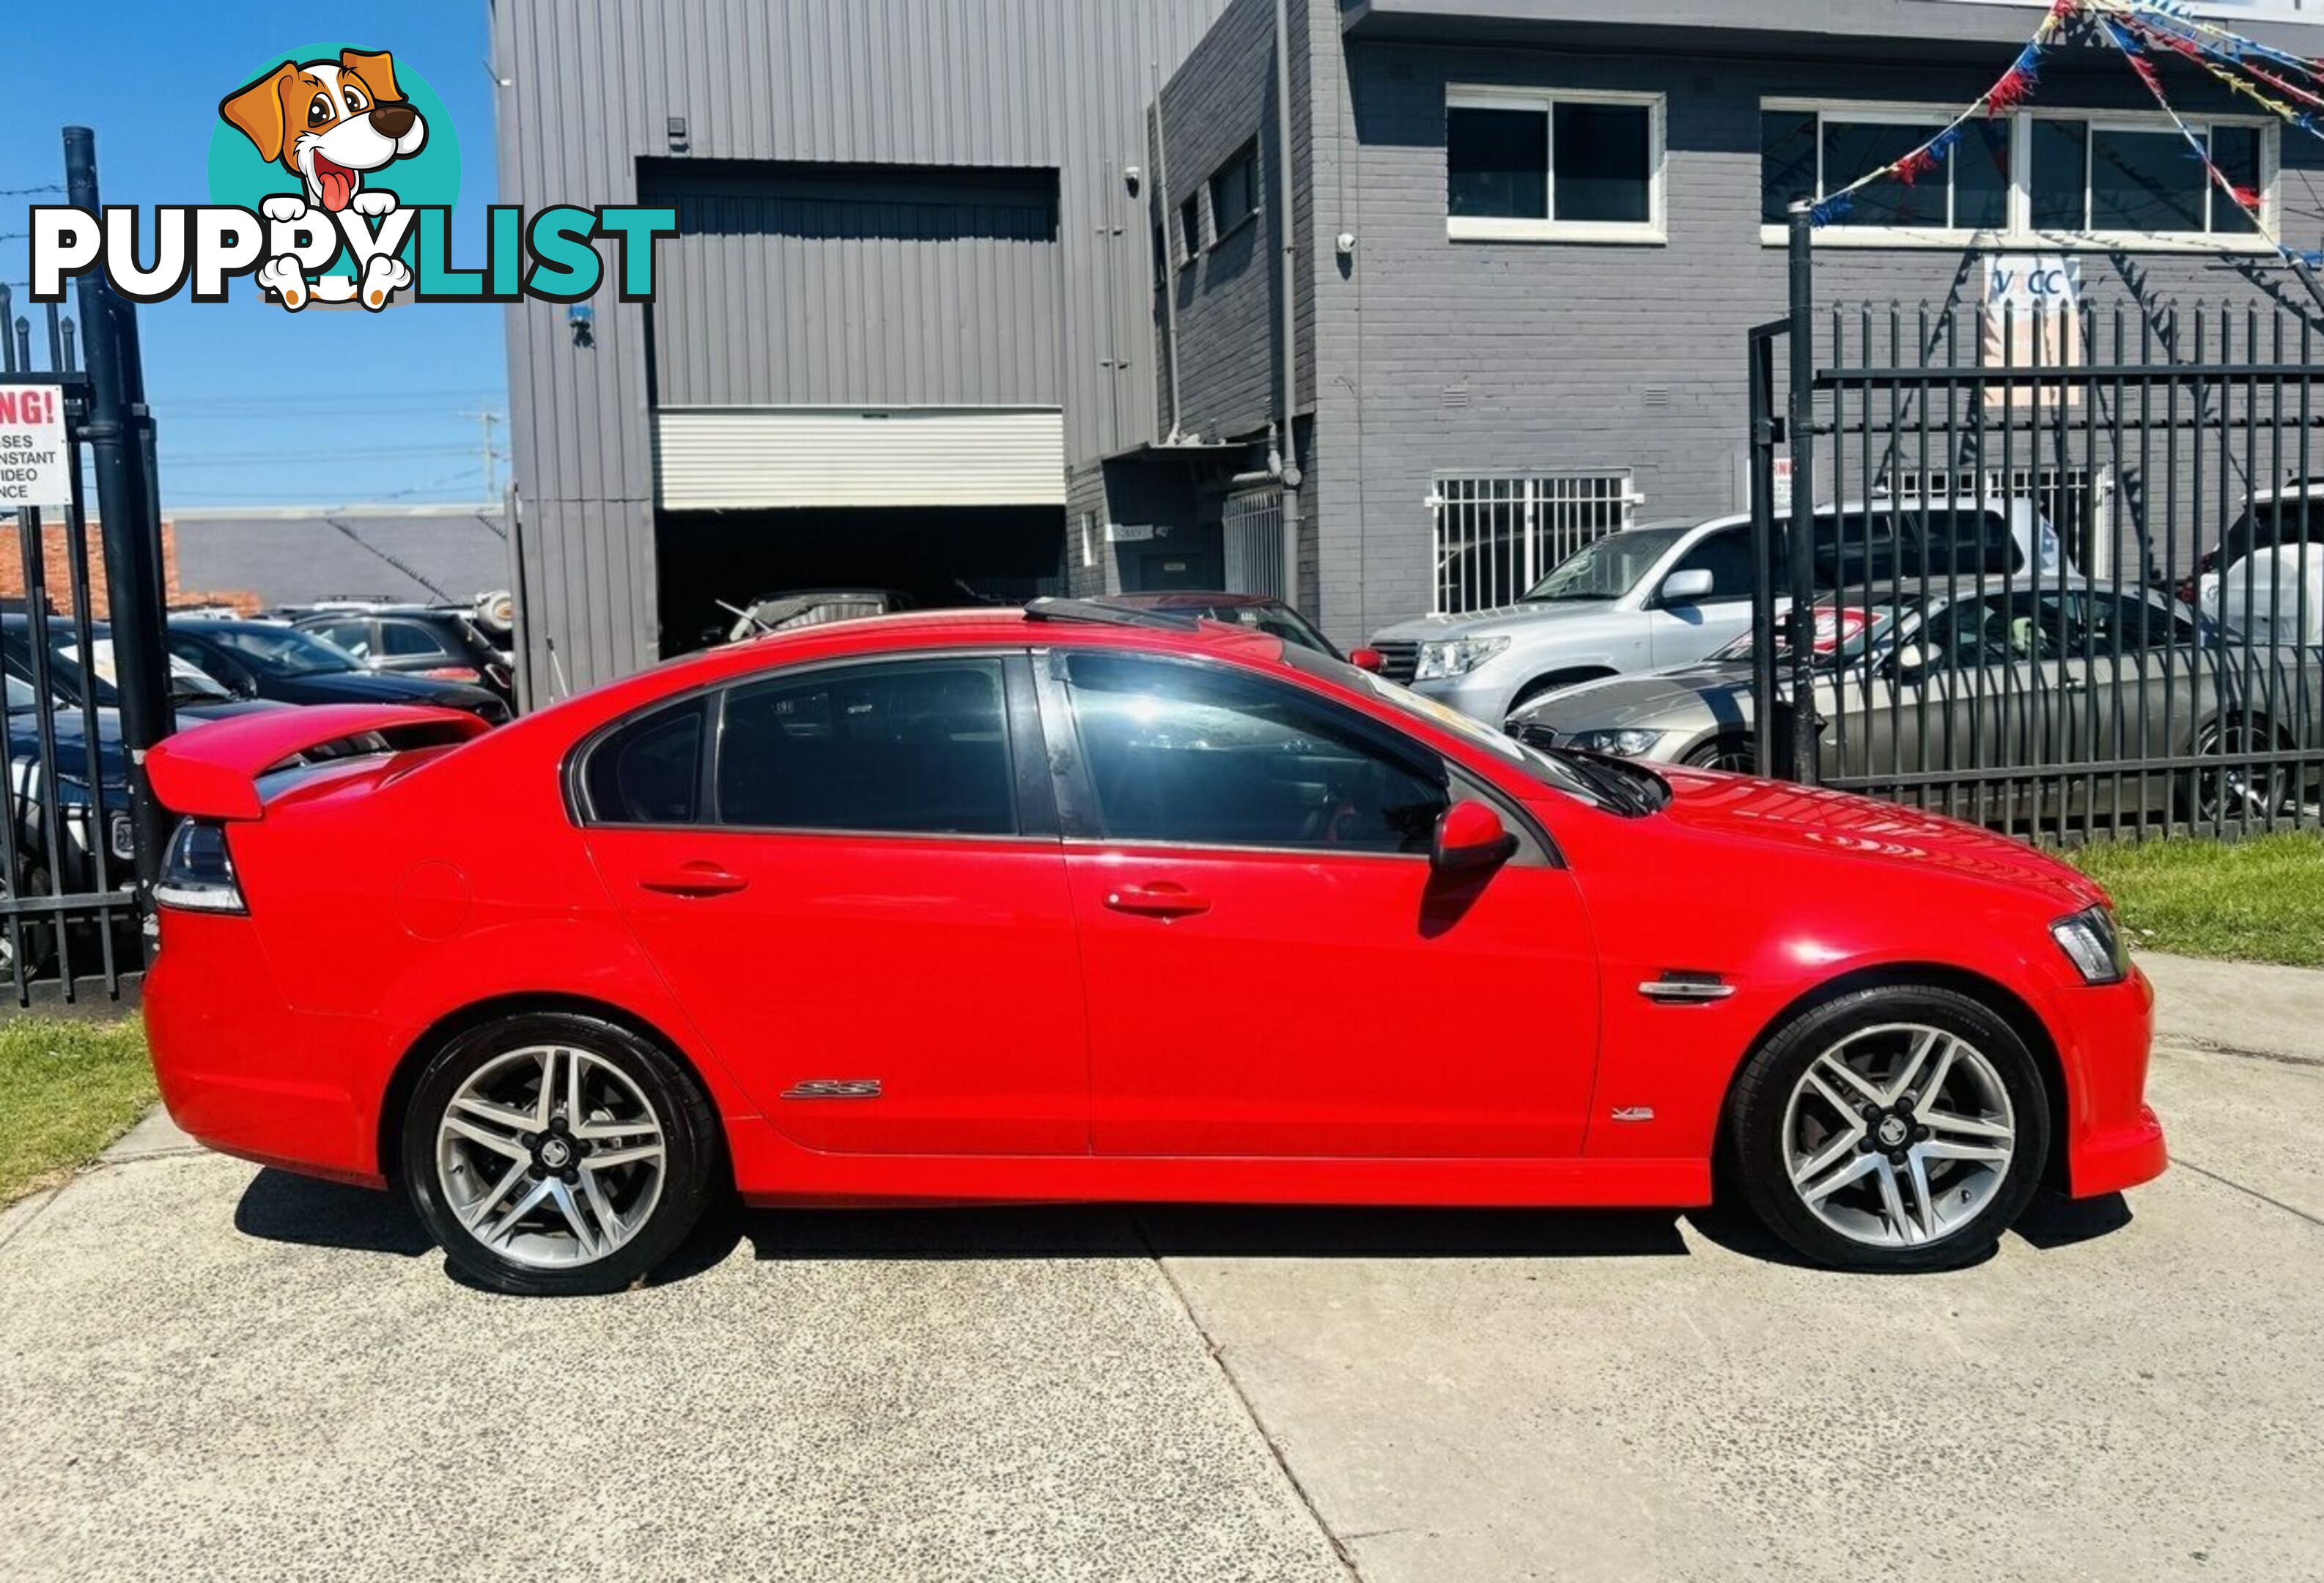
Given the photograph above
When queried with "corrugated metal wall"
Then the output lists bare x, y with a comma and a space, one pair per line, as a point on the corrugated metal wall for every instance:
589, 87
742, 458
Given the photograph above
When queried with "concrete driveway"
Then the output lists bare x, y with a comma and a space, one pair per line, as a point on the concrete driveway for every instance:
208, 1369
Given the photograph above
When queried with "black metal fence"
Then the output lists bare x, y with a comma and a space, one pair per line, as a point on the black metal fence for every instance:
86, 688
2052, 562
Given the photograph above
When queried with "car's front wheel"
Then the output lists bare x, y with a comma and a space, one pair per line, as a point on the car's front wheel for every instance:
1895, 1129
552, 1154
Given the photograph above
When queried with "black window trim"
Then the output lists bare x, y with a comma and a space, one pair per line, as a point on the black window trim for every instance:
1036, 814
1077, 800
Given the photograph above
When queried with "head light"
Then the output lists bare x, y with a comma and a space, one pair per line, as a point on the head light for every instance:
1621, 744
2093, 943
1455, 657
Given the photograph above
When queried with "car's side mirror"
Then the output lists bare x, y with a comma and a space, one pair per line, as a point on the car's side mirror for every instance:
1687, 587
1368, 659
1470, 837
1910, 663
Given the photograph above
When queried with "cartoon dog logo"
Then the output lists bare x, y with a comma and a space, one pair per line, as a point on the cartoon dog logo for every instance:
330, 123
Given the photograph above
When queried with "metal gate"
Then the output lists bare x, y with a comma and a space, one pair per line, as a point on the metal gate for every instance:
1251, 531
2060, 578
1495, 538
86, 688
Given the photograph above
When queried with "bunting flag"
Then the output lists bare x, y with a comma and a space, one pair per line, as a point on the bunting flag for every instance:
2288, 87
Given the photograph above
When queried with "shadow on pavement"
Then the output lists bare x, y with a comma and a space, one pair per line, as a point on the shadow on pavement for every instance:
2055, 1220
281, 1208
1198, 1230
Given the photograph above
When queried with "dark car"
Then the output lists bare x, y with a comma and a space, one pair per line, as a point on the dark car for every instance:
442, 643
268, 659
1258, 611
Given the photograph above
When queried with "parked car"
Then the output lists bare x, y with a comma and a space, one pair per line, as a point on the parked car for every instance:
1670, 593
192, 696
271, 659
1258, 611
576, 974
1933, 676
444, 643
780, 612
2283, 518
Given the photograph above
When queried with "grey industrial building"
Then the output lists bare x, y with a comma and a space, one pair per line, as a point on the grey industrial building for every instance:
975, 297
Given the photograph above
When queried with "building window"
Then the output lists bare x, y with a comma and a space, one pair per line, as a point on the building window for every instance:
1526, 165
1190, 228
1234, 191
2034, 177
1497, 536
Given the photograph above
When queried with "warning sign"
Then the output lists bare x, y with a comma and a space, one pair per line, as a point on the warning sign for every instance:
34, 464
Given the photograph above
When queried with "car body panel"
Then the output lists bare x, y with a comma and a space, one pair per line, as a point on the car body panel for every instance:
394, 896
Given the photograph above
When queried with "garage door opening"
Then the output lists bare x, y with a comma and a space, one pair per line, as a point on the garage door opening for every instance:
936, 557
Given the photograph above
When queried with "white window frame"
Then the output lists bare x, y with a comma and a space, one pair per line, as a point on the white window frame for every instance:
1653, 231
2019, 232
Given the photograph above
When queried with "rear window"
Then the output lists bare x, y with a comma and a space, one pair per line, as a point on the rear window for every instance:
648, 772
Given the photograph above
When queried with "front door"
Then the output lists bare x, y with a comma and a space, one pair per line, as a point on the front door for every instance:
860, 901
1272, 968
1680, 631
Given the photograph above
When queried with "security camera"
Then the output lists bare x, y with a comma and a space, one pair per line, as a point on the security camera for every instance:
1347, 243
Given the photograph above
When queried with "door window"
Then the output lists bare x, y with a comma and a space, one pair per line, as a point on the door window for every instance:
1189, 754
915, 747
1727, 556
409, 640
2003, 630
648, 772
2117, 624
355, 637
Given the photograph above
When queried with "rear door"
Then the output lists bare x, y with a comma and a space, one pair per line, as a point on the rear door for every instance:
859, 895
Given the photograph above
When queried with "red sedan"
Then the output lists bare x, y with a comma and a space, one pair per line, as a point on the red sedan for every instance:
1056, 905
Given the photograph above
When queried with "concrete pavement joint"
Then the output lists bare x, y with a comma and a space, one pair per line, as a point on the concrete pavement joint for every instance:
1226, 1372
2207, 1048
2228, 1182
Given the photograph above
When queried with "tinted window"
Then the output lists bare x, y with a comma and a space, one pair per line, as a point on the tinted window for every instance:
1605, 163
2125, 624
409, 640
915, 747
648, 772
1497, 162
355, 637
1234, 190
1185, 753
1727, 556
2061, 155
2008, 629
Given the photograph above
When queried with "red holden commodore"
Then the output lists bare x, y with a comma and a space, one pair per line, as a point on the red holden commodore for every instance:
1059, 904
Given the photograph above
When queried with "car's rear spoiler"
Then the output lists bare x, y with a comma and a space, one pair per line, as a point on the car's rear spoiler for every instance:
211, 771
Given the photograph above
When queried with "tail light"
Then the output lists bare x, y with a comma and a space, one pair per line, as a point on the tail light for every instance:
453, 672
198, 872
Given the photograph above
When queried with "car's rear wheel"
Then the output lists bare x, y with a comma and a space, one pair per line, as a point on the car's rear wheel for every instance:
1895, 1128
2237, 789
552, 1154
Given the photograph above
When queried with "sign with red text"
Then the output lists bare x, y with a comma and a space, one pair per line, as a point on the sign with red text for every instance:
35, 467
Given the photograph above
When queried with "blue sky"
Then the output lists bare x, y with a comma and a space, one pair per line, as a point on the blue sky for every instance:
256, 406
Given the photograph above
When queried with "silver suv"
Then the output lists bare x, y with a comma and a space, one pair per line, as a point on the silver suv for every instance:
1670, 592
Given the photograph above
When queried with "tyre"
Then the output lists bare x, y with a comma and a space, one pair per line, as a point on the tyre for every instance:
1734, 754
2236, 793
558, 1154
1895, 1128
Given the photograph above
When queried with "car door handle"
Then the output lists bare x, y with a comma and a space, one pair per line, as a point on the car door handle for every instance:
1161, 899
694, 878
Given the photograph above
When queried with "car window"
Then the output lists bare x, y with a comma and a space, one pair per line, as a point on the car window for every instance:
912, 747
188, 652
648, 772
2115, 624
1188, 753
2003, 630
355, 636
409, 640
1726, 555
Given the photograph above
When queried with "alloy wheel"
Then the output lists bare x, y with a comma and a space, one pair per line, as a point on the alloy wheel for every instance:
2236, 792
551, 1157
1899, 1134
